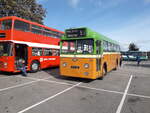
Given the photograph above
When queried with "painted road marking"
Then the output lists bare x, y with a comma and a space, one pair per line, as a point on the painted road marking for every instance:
20, 85
50, 81
99, 89
7, 77
92, 88
135, 95
49, 98
124, 96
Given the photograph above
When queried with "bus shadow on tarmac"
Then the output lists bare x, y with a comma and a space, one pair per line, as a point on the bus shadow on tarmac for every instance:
7, 73
55, 73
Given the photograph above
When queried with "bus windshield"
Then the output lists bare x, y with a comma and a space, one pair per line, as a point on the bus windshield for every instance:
78, 46
5, 48
6, 24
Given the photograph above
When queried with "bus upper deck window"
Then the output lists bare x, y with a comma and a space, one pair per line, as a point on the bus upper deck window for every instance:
6, 24
20, 25
37, 29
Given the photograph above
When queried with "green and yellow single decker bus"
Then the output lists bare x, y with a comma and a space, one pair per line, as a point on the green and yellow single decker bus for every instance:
87, 54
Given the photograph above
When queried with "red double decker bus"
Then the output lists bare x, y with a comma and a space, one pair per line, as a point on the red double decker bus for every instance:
37, 44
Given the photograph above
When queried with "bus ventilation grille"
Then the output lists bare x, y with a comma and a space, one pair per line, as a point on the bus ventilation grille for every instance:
75, 67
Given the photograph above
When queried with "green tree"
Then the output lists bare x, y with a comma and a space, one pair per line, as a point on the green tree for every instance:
133, 47
27, 9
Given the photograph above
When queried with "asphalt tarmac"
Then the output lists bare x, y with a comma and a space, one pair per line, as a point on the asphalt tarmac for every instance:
126, 90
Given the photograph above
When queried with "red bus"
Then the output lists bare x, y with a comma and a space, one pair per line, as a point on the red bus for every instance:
37, 44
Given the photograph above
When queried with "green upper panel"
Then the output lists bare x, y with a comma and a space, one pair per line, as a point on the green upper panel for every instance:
83, 33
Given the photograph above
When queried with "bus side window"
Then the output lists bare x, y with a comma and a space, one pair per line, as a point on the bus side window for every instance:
20, 25
47, 52
36, 29
6, 24
105, 46
36, 51
55, 52
47, 32
109, 47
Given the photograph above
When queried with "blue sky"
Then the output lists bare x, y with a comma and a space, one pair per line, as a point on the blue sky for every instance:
123, 20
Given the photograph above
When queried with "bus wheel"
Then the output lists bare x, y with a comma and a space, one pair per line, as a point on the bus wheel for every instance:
104, 69
34, 66
101, 78
116, 65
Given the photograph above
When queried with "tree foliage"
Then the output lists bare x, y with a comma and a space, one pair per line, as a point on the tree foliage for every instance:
27, 9
133, 47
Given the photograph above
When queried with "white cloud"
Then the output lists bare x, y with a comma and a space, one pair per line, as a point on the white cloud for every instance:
74, 3
136, 31
147, 1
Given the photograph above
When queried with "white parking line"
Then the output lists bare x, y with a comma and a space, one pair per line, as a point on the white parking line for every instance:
16, 86
139, 96
51, 81
98, 89
124, 96
7, 77
49, 98
64, 83
92, 88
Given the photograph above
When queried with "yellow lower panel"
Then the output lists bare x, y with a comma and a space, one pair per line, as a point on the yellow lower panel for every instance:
74, 67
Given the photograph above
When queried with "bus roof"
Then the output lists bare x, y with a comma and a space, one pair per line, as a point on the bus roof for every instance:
93, 34
28, 21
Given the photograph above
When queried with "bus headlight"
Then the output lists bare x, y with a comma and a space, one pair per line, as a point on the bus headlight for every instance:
86, 65
5, 65
64, 64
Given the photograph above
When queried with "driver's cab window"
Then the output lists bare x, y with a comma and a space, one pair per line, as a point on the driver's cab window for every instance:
85, 46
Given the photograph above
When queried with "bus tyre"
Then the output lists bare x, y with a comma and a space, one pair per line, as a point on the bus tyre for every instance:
116, 65
101, 78
34, 66
104, 69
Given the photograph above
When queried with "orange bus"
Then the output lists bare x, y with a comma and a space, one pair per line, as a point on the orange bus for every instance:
88, 54
37, 44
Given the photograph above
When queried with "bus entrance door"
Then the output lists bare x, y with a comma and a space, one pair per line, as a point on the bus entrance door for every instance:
98, 59
21, 52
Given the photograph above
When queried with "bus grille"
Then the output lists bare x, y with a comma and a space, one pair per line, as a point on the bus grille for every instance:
75, 67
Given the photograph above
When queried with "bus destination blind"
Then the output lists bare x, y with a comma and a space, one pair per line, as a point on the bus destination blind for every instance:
75, 33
